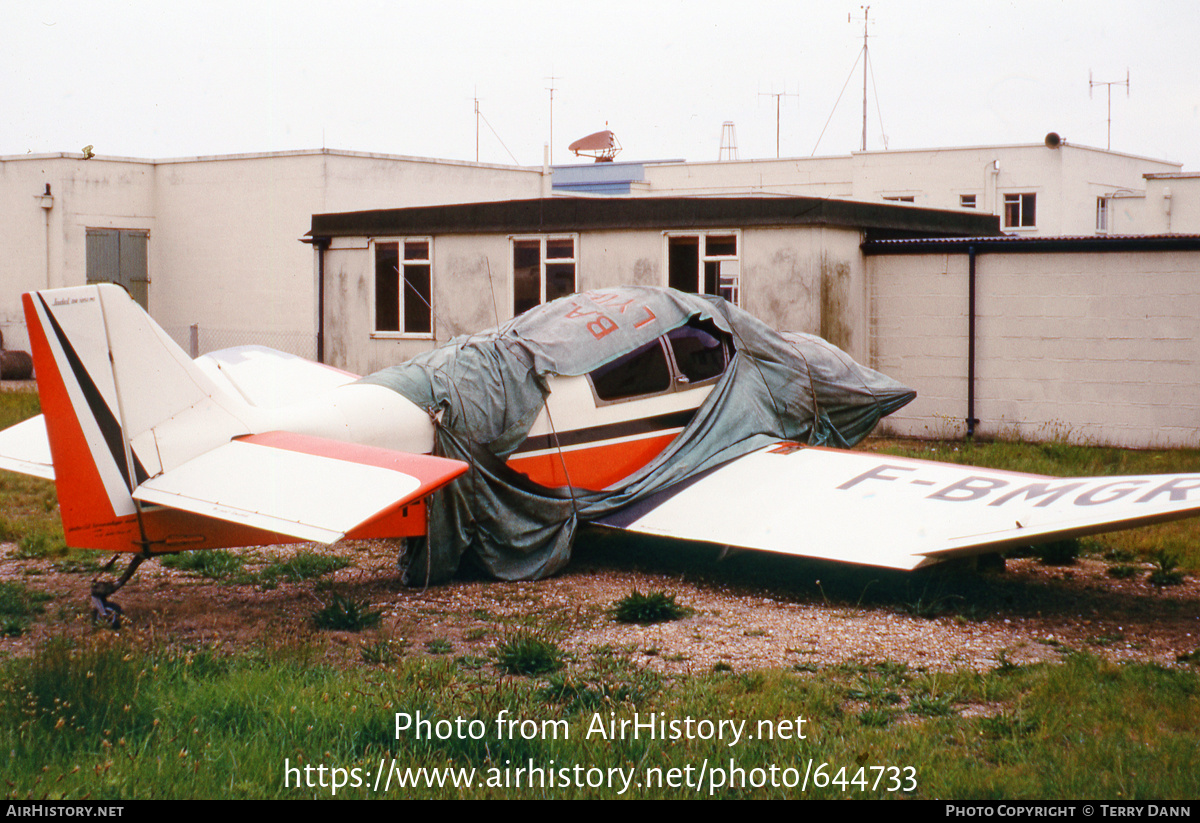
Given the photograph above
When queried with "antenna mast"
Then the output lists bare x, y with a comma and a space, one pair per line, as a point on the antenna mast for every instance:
551, 88
1109, 84
866, 55
778, 96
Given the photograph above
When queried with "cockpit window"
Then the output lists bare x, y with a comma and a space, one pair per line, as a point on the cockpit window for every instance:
699, 354
642, 371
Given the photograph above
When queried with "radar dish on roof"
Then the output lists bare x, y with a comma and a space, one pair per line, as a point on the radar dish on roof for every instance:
602, 145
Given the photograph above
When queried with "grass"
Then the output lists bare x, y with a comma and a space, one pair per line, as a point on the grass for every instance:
216, 564
528, 652
645, 609
19, 605
108, 717
346, 614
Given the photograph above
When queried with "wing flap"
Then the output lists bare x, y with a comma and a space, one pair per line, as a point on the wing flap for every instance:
306, 487
877, 510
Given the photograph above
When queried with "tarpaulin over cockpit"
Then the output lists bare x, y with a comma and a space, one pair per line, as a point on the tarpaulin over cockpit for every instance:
485, 391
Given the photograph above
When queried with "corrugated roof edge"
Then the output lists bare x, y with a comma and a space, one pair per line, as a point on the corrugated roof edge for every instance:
1043, 245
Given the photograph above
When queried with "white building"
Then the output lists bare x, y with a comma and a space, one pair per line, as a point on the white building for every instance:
208, 241
1036, 189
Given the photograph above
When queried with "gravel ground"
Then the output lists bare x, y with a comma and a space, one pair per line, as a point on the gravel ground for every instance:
750, 611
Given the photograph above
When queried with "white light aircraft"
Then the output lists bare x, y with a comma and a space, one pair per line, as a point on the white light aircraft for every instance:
154, 453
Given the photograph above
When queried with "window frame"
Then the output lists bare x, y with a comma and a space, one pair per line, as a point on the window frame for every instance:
968, 201
678, 380
704, 257
544, 241
1020, 202
401, 333
1102, 214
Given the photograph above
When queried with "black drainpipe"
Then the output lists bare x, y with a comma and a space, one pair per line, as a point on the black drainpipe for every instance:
971, 420
322, 245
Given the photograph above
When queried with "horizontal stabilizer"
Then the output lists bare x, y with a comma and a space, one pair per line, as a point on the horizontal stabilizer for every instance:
24, 448
877, 510
306, 487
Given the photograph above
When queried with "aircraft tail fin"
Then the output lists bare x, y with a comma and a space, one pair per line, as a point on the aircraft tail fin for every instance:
122, 403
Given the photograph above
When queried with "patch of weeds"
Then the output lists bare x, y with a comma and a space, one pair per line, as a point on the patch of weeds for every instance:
301, 566
18, 606
873, 690
1166, 572
722, 666
381, 651
1058, 552
79, 562
1004, 664
644, 609
439, 645
39, 545
1007, 724
1105, 639
346, 614
877, 717
755, 633
215, 564
482, 614
1122, 571
477, 633
1189, 657
1119, 555
470, 662
929, 606
528, 652
1057, 645
807, 668
931, 706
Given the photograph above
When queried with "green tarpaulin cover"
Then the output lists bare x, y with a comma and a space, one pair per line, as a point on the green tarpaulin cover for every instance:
485, 391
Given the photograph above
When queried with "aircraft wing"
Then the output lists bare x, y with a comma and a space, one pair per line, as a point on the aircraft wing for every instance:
25, 449
877, 510
306, 487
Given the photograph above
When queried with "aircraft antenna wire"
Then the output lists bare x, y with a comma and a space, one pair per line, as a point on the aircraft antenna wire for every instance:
492, 288
562, 462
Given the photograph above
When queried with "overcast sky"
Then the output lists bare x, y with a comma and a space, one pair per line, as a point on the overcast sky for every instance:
157, 80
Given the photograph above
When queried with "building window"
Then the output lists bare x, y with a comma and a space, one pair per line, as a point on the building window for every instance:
543, 270
901, 198
705, 264
1020, 211
1102, 214
966, 201
119, 256
403, 287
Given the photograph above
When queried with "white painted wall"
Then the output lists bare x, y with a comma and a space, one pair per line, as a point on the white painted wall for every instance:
1091, 347
224, 250
1066, 180
799, 279
47, 248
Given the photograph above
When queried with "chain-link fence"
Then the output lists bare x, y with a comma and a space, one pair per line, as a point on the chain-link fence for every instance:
197, 340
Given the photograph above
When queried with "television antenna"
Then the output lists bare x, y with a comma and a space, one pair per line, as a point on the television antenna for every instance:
552, 88
864, 55
778, 95
1092, 83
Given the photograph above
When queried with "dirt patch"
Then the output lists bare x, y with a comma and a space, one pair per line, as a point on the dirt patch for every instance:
750, 611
